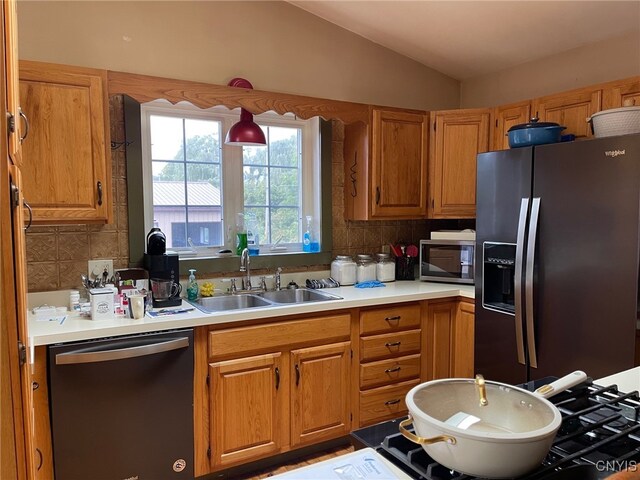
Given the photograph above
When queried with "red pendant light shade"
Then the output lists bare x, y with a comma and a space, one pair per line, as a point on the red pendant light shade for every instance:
246, 132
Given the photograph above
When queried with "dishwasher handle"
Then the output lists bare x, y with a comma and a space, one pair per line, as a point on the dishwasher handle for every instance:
70, 358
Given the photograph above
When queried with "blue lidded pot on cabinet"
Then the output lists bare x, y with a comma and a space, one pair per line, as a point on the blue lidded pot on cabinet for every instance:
534, 133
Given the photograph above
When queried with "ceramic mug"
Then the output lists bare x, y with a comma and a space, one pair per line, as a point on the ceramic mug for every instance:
137, 304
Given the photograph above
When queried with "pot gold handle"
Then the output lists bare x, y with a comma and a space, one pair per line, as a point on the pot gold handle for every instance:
421, 440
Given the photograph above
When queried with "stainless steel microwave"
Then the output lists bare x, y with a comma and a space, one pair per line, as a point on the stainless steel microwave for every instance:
449, 261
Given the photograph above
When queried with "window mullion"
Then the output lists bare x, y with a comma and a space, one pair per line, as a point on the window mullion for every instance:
186, 183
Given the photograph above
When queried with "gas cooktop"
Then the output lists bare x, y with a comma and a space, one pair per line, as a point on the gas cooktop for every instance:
600, 435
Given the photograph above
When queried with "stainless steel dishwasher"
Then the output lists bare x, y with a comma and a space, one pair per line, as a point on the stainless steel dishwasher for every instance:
122, 408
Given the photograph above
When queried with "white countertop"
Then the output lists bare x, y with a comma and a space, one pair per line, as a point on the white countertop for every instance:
76, 328
627, 381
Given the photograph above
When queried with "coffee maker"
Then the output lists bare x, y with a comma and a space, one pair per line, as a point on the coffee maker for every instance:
162, 266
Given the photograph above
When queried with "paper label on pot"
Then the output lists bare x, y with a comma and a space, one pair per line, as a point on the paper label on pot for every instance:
462, 420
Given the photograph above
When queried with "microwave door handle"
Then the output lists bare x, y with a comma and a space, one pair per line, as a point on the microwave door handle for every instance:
528, 282
517, 282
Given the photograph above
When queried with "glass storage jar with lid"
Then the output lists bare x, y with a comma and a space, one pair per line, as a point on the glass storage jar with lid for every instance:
385, 268
343, 270
366, 270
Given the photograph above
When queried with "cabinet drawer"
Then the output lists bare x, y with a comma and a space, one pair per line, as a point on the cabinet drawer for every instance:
385, 372
389, 345
390, 319
384, 403
277, 335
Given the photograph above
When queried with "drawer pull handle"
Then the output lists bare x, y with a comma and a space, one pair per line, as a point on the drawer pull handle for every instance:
392, 344
392, 370
277, 372
392, 402
393, 319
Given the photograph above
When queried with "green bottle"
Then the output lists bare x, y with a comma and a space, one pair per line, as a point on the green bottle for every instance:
192, 286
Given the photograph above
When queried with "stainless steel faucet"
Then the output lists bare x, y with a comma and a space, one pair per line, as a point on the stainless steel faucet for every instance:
245, 262
277, 278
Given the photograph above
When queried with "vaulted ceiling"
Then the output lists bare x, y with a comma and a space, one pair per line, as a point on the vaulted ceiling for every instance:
466, 39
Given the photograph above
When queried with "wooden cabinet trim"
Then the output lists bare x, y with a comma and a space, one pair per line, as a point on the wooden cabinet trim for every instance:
145, 88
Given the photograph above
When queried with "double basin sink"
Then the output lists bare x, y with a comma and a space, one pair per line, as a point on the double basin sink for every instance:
262, 299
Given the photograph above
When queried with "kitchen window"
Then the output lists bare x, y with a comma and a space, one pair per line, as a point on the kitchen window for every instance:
195, 185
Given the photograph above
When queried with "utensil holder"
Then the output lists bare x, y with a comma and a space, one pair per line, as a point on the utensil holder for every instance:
405, 268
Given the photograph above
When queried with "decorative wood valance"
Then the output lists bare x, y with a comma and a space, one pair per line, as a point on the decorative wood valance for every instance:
144, 88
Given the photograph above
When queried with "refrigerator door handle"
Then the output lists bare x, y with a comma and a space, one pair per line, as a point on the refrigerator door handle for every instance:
517, 283
528, 281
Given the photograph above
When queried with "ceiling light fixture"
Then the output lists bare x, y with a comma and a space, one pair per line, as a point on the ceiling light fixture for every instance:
245, 133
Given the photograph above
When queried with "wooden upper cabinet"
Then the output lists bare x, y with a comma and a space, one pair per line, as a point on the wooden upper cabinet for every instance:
399, 164
67, 157
320, 379
570, 109
505, 117
386, 166
17, 123
457, 136
616, 94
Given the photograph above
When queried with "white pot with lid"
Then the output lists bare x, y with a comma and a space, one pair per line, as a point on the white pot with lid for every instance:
505, 436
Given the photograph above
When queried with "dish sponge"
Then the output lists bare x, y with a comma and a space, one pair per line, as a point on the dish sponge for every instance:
370, 284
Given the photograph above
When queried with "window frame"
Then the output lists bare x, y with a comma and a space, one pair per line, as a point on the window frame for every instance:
139, 219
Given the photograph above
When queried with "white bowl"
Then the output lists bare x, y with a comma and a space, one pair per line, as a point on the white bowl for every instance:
616, 121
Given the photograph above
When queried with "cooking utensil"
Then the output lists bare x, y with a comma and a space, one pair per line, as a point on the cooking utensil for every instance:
412, 251
506, 438
534, 133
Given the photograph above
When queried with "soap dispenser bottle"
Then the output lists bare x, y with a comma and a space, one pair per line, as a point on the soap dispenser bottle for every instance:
192, 286
309, 240
306, 237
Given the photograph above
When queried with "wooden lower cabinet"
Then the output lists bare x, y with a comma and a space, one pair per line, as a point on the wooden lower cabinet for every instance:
450, 339
246, 409
271, 388
384, 403
390, 342
320, 393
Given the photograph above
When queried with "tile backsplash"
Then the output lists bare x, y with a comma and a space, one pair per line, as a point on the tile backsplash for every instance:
57, 255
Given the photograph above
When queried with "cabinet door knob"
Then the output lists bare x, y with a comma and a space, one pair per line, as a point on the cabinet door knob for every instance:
100, 193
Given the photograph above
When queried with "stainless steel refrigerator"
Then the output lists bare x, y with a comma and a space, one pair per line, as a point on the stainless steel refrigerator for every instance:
557, 259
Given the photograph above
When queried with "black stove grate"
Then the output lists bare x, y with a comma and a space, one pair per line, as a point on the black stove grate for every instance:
600, 431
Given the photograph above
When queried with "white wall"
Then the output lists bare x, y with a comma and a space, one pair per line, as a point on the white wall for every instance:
276, 46
613, 59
